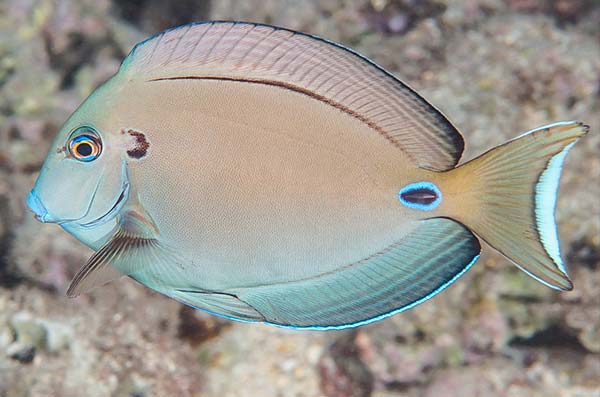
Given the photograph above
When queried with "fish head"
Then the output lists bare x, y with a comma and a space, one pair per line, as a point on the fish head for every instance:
83, 179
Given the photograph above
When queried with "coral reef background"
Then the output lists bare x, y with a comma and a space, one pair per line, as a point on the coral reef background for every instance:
495, 67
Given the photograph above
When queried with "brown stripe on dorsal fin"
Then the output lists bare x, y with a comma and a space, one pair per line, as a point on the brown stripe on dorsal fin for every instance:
286, 59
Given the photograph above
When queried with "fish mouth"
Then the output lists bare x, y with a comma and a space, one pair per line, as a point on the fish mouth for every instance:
41, 212
37, 207
112, 211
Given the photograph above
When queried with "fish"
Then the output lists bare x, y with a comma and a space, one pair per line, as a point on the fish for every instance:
267, 175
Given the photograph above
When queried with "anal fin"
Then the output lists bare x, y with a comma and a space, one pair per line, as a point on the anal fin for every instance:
409, 272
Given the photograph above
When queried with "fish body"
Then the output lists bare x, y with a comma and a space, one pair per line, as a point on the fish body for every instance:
267, 175
256, 182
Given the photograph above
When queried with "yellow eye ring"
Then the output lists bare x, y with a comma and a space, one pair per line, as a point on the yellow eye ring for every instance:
86, 145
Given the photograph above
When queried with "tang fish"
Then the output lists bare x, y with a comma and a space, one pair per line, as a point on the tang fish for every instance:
262, 174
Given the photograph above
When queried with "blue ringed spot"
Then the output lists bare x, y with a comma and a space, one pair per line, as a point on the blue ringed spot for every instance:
423, 196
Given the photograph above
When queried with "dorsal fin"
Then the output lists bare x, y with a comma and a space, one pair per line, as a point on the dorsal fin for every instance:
307, 64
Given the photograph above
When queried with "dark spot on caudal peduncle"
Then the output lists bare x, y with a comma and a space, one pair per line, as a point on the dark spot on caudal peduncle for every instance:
420, 196
138, 144
423, 196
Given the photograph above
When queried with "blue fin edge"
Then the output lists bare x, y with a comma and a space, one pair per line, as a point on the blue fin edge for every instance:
381, 316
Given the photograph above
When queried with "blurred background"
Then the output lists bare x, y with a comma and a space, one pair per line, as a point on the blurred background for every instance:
495, 67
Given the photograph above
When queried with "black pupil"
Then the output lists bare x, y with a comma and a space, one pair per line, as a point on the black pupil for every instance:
84, 149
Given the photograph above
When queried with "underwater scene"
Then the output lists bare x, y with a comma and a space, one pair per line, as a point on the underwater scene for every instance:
364, 198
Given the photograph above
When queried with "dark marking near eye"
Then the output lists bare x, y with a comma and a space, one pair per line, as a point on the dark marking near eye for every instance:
420, 196
139, 145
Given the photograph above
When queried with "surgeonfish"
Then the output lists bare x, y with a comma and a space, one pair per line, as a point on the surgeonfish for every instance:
267, 175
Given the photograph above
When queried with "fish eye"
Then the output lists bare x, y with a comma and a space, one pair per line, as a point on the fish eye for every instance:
85, 144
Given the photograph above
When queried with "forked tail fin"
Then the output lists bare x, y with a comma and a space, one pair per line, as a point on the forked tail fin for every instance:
508, 196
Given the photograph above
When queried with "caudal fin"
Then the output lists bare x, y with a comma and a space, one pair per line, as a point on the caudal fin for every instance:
508, 196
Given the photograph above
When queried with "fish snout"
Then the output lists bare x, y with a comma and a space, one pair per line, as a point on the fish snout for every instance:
35, 205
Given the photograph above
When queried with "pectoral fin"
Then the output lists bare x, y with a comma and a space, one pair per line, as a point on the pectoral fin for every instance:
123, 251
132, 247
93, 274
